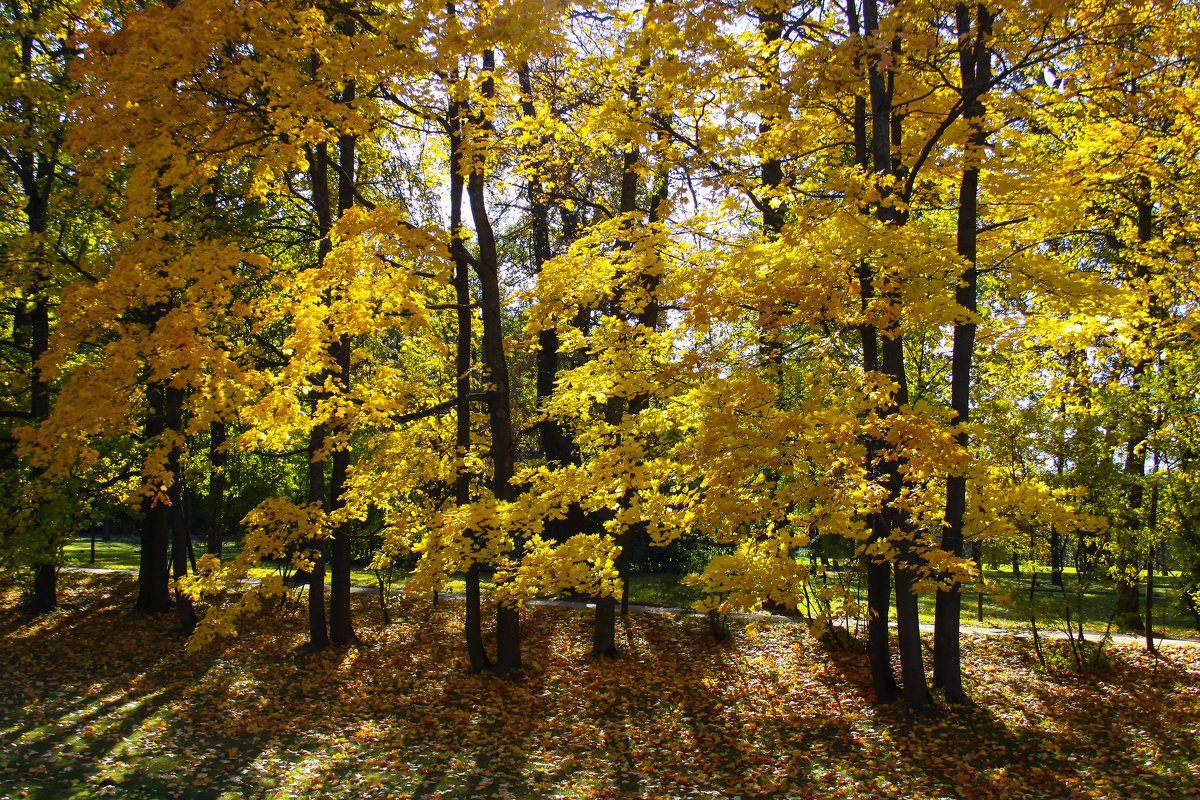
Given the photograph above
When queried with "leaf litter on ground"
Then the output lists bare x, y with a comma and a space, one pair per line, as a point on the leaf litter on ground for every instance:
100, 701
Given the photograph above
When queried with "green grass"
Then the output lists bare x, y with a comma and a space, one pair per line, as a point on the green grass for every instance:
114, 554
664, 589
123, 554
1094, 598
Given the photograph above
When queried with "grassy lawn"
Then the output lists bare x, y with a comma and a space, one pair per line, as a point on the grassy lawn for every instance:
666, 590
1096, 599
100, 702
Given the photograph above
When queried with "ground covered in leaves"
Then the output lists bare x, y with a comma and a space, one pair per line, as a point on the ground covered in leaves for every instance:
97, 701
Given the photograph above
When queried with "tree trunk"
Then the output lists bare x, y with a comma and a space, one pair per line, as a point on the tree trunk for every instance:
604, 624
45, 588
878, 569
473, 621
179, 531
553, 439
218, 484
45, 578
558, 448
318, 629
1128, 549
1152, 524
770, 27
975, 70
1128, 604
36, 170
885, 140
341, 623
616, 408
879, 572
604, 628
1056, 557
908, 632
508, 630
154, 591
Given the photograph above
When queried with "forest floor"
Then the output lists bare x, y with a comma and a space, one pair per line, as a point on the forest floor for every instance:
98, 701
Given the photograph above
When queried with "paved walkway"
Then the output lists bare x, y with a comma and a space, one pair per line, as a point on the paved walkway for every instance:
967, 630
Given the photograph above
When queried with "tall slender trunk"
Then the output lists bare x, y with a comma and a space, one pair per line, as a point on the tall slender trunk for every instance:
508, 619
318, 629
879, 573
1057, 545
770, 26
341, 623
1128, 612
974, 60
1151, 552
37, 172
885, 140
180, 538
218, 483
473, 622
154, 591
604, 628
45, 573
615, 408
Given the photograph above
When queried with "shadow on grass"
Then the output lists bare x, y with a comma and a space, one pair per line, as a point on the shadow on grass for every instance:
83, 686
767, 714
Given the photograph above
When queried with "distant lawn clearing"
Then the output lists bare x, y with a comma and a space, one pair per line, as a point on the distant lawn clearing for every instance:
666, 590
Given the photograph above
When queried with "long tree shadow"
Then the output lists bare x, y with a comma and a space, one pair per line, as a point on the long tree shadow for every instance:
768, 714
84, 685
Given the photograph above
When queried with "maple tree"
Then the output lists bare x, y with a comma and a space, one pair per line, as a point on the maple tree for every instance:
50, 238
895, 277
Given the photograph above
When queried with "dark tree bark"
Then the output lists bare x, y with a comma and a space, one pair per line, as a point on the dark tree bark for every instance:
341, 623
45, 573
879, 577
1128, 612
604, 629
154, 591
318, 628
974, 59
218, 484
1152, 524
340, 628
1056, 557
473, 627
885, 139
770, 26
36, 172
615, 409
180, 539
508, 620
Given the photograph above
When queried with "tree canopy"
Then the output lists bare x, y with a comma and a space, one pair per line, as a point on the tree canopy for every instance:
522, 286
